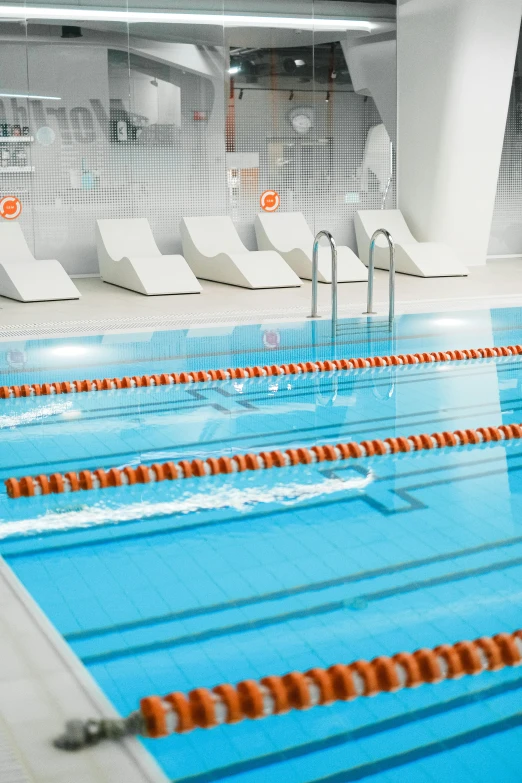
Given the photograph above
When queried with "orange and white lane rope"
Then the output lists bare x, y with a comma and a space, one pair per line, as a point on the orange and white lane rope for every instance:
199, 376
178, 713
56, 483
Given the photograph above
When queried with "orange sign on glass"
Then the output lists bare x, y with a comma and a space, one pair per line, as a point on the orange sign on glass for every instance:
270, 200
10, 207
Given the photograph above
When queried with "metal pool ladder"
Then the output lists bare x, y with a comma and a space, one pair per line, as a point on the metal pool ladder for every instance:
371, 269
315, 271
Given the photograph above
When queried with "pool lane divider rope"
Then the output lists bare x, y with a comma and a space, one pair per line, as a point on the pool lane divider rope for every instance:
56, 483
199, 376
179, 713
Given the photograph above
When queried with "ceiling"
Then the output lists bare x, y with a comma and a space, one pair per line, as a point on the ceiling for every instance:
380, 13
293, 67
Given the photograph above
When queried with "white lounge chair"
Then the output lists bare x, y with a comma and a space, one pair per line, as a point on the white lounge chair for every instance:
129, 257
214, 251
27, 279
423, 259
289, 235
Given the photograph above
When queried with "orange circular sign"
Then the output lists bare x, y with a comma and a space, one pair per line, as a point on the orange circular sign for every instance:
10, 207
270, 200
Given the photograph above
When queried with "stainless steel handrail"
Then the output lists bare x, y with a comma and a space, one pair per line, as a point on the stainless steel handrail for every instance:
315, 271
371, 270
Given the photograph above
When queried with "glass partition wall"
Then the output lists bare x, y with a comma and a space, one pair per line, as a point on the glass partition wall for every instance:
143, 110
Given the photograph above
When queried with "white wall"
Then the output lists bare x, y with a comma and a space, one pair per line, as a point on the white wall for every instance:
154, 98
373, 70
455, 63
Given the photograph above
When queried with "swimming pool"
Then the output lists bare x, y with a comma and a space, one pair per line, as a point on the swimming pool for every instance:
176, 585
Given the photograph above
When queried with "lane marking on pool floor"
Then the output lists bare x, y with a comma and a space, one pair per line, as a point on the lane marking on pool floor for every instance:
257, 371
82, 480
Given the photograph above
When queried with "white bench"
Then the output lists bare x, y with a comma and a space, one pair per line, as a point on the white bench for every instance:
129, 257
27, 279
215, 251
423, 259
288, 234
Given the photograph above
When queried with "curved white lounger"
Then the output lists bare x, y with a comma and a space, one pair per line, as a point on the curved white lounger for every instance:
214, 251
129, 257
289, 235
423, 259
27, 279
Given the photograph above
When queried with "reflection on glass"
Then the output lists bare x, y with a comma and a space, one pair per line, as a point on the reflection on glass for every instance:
301, 121
169, 112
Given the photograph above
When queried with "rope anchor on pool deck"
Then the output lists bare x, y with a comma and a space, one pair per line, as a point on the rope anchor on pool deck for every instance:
56, 483
199, 376
178, 713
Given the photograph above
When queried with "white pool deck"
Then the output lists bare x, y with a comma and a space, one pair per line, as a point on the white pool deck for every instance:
42, 683
105, 307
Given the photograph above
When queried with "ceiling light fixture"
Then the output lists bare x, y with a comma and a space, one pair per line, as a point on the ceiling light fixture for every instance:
28, 12
299, 63
24, 95
234, 69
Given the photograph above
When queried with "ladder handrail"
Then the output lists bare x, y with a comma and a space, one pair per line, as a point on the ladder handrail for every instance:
315, 271
371, 269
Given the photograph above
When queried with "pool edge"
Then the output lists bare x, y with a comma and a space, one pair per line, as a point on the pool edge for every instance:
40, 676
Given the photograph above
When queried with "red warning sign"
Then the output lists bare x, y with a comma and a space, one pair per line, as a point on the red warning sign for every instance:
270, 200
10, 207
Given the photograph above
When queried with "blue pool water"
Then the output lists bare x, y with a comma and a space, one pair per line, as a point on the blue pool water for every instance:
178, 585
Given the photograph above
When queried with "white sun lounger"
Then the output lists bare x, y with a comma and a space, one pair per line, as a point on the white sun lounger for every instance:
289, 235
129, 257
214, 251
423, 259
27, 279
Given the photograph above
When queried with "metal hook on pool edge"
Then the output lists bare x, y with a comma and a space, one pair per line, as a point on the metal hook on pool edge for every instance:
85, 733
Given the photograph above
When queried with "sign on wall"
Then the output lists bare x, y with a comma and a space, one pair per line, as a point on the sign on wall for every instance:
10, 207
270, 200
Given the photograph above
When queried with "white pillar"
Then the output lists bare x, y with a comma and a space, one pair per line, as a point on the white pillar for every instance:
372, 66
455, 61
